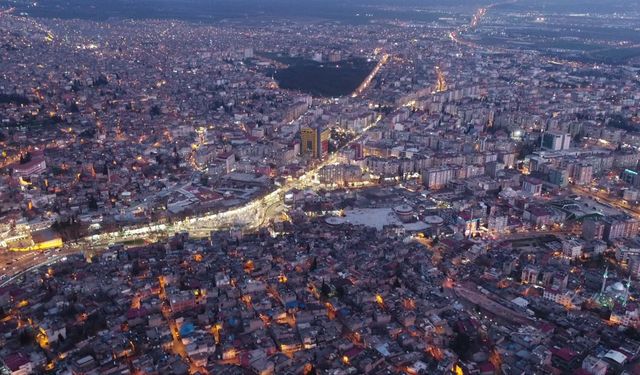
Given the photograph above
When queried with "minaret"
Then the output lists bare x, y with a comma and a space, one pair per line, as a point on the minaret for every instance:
604, 279
626, 291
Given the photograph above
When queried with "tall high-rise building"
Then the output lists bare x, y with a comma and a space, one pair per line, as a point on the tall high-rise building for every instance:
559, 177
620, 227
314, 141
532, 186
583, 174
437, 177
555, 141
631, 177
357, 148
592, 229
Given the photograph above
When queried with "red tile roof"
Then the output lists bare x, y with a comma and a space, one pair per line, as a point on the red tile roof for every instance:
15, 361
565, 354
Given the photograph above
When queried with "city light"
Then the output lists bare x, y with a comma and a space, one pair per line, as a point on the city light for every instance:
276, 188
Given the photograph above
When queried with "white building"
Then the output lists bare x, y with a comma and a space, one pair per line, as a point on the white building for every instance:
555, 141
572, 248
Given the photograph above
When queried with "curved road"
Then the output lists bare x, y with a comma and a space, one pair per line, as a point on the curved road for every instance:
250, 216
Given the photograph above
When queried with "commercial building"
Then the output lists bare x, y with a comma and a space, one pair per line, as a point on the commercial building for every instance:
559, 177
592, 229
314, 141
583, 174
619, 227
340, 174
532, 186
437, 178
555, 141
631, 177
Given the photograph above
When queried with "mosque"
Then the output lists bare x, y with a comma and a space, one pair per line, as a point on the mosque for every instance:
614, 294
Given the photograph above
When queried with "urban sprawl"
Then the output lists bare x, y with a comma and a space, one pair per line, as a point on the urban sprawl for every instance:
166, 207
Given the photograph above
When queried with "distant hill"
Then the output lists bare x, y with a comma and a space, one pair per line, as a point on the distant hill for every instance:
212, 10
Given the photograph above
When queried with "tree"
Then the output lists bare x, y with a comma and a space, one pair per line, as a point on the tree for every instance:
70, 311
204, 180
619, 122
76, 86
396, 283
93, 203
70, 229
94, 323
88, 133
155, 111
13, 99
25, 158
56, 170
26, 337
101, 81
484, 261
632, 333
325, 289
461, 344
578, 137
398, 271
526, 149
136, 269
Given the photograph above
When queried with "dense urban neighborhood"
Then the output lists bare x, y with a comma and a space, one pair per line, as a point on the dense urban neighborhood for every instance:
456, 194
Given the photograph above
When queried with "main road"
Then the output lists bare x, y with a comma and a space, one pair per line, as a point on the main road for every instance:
455, 35
251, 216
620, 204
367, 81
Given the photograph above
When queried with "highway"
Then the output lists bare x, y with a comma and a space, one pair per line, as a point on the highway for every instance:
456, 37
29, 261
475, 20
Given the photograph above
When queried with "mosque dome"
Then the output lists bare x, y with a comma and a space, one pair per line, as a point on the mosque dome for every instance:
618, 287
